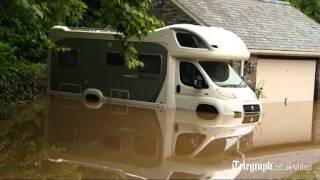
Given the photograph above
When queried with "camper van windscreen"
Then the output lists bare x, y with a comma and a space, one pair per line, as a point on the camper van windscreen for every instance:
222, 74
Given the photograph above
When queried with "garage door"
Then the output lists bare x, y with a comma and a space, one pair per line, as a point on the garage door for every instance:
291, 79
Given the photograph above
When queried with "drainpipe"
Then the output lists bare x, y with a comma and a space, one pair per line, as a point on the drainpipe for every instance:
242, 68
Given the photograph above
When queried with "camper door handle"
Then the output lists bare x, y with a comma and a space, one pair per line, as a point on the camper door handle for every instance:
130, 76
178, 89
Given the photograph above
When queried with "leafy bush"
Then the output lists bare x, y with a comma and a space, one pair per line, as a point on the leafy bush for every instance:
310, 7
25, 24
24, 43
19, 80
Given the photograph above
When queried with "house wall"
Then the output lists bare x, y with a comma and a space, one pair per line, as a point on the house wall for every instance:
292, 80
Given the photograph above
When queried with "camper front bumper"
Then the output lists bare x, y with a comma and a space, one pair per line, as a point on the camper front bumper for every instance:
239, 109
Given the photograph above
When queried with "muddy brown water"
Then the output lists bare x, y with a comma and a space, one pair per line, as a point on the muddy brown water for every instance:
62, 137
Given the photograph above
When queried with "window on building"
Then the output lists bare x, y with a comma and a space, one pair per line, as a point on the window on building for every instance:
152, 63
69, 57
190, 40
115, 59
189, 73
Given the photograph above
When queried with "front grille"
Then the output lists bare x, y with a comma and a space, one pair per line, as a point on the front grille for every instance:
251, 109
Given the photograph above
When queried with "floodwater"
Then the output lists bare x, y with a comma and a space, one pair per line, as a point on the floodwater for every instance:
66, 138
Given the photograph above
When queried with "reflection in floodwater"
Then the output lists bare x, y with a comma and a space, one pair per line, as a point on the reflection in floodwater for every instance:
146, 143
113, 141
296, 124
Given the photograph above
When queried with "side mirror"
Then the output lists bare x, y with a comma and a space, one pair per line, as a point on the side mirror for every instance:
199, 83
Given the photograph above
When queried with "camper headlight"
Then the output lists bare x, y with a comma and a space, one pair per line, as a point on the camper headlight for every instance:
226, 93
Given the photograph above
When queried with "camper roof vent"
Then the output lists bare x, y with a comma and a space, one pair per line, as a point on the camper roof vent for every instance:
88, 29
64, 28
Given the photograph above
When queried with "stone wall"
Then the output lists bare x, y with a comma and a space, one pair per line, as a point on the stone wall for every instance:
316, 107
169, 13
250, 72
317, 83
316, 122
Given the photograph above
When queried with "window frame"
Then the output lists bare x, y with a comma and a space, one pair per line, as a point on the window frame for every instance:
114, 65
151, 54
202, 75
195, 37
68, 65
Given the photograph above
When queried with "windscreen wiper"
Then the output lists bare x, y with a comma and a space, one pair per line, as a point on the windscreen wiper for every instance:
242, 80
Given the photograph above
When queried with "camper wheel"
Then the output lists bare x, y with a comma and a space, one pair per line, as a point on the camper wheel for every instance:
92, 96
206, 112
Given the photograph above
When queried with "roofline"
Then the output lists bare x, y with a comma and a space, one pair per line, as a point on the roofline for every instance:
189, 13
276, 2
284, 53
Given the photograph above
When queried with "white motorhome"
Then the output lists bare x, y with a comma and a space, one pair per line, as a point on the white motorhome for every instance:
185, 66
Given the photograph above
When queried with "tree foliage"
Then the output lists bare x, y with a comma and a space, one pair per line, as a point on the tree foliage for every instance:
19, 79
129, 18
309, 7
24, 42
25, 23
24, 38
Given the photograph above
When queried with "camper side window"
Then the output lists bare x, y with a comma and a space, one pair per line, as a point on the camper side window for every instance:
188, 73
115, 59
152, 63
69, 57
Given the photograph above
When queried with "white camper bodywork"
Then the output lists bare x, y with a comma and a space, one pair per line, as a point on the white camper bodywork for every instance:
215, 45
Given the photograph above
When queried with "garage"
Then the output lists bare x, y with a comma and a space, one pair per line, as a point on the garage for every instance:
286, 80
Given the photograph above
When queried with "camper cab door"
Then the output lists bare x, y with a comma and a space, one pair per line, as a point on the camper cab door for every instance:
190, 85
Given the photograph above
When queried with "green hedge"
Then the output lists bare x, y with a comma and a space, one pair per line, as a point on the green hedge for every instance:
19, 79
